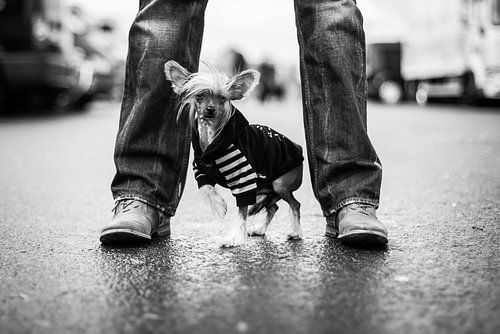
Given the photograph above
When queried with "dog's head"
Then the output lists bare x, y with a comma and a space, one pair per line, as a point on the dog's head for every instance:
209, 94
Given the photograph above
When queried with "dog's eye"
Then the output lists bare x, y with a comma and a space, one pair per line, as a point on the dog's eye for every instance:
199, 97
222, 98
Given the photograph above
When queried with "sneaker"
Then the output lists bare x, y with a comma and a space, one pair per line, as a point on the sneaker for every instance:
357, 224
134, 221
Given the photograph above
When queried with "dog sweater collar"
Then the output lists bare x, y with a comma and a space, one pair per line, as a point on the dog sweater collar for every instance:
228, 135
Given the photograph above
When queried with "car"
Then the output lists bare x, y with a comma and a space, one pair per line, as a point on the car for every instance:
38, 58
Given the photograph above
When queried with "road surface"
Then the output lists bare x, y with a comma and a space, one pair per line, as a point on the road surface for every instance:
439, 274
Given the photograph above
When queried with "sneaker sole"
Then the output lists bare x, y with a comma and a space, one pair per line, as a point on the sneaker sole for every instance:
124, 236
364, 238
358, 237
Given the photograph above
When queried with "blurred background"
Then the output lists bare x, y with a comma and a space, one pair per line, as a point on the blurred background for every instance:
66, 53
433, 116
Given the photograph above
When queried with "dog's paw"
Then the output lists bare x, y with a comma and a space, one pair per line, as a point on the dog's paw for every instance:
294, 236
210, 195
257, 231
232, 241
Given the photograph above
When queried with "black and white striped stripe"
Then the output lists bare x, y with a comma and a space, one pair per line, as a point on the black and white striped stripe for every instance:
239, 174
197, 172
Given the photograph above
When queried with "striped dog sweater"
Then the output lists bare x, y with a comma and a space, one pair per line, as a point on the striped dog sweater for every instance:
243, 157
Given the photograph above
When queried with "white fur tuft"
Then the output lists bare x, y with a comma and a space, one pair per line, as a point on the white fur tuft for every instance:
214, 82
210, 195
187, 85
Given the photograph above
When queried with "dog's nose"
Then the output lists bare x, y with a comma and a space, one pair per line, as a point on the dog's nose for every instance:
210, 112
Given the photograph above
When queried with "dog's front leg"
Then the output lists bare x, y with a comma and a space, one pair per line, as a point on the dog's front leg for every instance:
238, 234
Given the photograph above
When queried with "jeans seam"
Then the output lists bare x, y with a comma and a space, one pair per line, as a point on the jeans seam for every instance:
185, 161
307, 101
187, 139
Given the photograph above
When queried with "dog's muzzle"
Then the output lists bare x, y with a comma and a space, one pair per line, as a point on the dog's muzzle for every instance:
208, 113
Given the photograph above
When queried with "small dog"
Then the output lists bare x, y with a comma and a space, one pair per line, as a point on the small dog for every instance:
259, 165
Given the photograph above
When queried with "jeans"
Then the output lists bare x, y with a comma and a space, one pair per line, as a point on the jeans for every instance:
152, 148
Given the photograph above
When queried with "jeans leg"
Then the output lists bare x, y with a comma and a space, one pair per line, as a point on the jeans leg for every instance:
343, 164
152, 148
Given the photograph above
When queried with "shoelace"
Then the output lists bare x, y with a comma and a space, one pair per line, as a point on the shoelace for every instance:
361, 208
124, 203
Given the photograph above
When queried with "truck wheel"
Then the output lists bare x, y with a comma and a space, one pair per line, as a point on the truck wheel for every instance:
421, 93
421, 97
390, 92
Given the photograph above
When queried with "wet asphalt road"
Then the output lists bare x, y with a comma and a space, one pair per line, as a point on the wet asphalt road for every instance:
439, 274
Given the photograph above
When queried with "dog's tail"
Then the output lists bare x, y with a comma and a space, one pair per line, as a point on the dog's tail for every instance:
263, 202
210, 195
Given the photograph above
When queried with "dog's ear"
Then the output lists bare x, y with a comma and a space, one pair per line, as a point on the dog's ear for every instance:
241, 85
177, 74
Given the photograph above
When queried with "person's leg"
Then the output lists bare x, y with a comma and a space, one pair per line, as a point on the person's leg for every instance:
343, 164
152, 148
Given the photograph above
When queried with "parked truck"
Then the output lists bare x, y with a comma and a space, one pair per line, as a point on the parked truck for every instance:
452, 49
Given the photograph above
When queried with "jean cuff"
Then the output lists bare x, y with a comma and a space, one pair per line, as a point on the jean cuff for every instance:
350, 200
140, 198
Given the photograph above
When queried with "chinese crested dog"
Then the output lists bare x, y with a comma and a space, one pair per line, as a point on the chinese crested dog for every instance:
259, 165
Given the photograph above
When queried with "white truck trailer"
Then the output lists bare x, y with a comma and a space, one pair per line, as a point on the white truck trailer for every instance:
452, 49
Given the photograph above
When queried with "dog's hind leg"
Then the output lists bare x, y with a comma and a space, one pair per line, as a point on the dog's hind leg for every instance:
284, 186
262, 228
238, 234
296, 231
